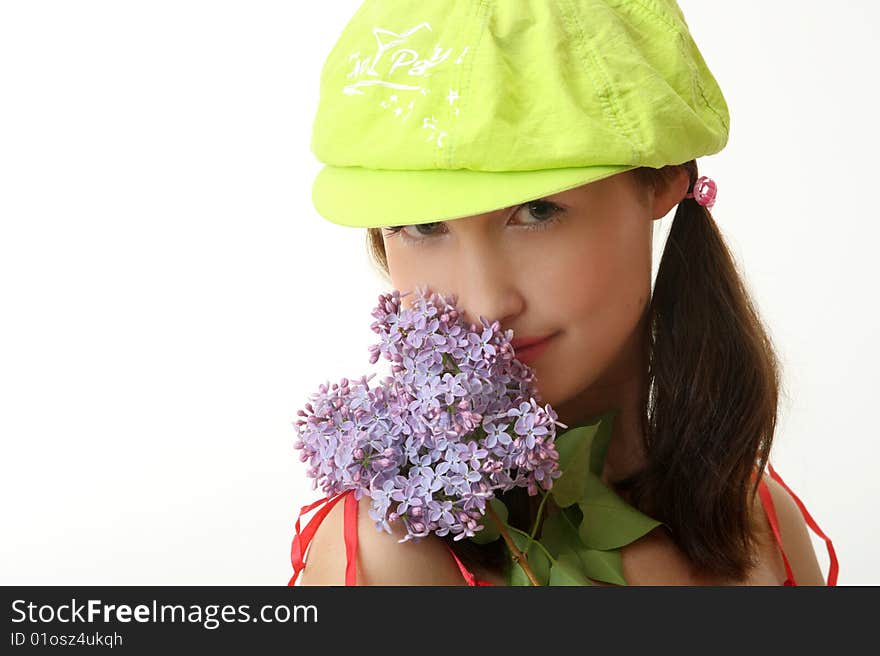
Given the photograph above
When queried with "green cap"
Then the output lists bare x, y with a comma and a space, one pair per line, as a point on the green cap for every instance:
432, 110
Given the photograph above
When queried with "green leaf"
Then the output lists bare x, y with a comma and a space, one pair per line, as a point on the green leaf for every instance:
581, 449
603, 565
571, 444
560, 536
557, 535
573, 447
516, 575
599, 446
609, 522
566, 571
490, 531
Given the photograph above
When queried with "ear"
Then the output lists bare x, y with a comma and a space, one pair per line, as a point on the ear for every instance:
668, 195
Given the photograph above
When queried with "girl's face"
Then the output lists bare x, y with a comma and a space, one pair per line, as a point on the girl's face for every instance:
576, 264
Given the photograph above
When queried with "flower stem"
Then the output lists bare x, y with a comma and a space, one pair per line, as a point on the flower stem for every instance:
518, 556
538, 516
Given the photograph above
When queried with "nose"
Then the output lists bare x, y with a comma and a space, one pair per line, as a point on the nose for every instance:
485, 281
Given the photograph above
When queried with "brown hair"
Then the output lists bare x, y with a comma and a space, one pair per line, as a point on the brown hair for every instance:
710, 400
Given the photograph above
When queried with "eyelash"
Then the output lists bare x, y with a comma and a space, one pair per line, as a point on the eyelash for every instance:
542, 225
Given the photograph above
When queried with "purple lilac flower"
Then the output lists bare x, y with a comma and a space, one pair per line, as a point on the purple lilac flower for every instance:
456, 421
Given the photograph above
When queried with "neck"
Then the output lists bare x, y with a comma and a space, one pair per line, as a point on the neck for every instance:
620, 389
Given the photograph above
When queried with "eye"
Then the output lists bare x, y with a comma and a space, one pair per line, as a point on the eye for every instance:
422, 229
546, 213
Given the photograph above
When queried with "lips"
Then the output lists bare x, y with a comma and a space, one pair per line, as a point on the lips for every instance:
526, 342
528, 349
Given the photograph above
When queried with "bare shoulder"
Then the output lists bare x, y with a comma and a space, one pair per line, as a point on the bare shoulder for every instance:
655, 559
794, 533
380, 559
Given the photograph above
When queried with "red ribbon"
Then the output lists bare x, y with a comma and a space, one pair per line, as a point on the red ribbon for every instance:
767, 500
468, 576
302, 539
833, 567
351, 538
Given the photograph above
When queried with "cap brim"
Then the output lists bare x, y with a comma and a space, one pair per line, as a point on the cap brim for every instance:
358, 197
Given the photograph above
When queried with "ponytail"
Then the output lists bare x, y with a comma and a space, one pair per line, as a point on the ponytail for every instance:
711, 397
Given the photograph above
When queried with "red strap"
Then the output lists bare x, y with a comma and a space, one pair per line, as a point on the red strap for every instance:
767, 500
351, 538
470, 578
833, 567
301, 541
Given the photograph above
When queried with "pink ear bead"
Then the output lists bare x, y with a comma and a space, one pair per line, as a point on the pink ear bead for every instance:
704, 192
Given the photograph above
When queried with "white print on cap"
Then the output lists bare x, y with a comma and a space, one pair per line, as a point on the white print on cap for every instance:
365, 74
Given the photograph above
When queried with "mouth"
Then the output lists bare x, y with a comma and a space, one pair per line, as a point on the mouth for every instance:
528, 349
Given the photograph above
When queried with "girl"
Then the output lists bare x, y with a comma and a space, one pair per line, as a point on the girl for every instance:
550, 137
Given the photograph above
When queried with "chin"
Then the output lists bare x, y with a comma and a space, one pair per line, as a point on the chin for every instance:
546, 390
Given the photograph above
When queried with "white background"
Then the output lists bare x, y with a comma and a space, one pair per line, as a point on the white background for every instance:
169, 297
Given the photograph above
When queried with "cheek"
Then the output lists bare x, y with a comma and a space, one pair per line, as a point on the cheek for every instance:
580, 278
602, 288
604, 264
409, 269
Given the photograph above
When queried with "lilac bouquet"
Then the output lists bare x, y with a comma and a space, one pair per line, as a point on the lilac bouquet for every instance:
456, 422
